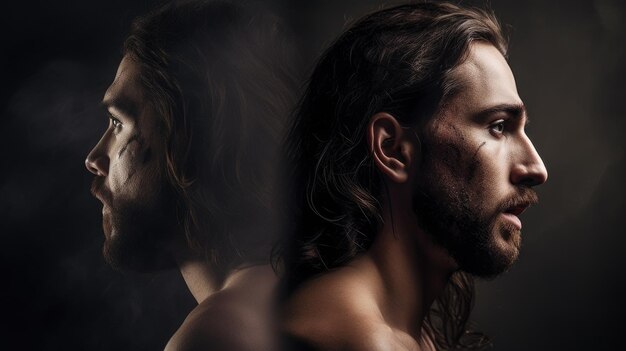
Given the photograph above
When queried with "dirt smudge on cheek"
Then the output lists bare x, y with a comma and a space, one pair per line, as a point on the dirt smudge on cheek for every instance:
133, 153
451, 148
135, 138
474, 164
466, 167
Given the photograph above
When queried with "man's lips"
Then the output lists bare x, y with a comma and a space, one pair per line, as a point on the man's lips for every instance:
513, 219
515, 206
99, 191
514, 211
517, 209
99, 196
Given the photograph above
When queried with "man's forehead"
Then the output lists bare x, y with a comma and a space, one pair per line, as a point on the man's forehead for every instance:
485, 79
127, 66
125, 93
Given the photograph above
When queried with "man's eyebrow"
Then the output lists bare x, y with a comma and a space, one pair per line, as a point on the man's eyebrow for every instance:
513, 110
121, 105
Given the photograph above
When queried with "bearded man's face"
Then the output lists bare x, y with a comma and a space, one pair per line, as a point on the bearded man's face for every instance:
478, 167
137, 212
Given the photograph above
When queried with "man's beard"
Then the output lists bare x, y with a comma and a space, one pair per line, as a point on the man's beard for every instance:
138, 234
446, 210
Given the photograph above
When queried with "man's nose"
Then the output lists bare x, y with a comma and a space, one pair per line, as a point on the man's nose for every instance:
529, 169
97, 161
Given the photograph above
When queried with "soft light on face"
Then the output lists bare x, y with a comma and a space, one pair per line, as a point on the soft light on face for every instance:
479, 167
128, 180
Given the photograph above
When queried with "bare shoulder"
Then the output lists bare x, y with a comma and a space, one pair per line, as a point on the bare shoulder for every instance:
336, 312
223, 322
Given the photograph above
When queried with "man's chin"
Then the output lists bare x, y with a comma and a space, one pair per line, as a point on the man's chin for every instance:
496, 257
492, 269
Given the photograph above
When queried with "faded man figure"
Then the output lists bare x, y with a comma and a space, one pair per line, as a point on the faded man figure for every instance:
413, 166
187, 170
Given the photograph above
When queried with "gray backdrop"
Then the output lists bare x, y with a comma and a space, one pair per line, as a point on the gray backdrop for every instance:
565, 293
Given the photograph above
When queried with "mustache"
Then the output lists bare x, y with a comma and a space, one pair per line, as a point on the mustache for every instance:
99, 191
525, 197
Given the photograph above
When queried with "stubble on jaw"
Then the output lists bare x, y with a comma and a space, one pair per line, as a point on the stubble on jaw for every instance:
446, 205
142, 230
137, 221
449, 207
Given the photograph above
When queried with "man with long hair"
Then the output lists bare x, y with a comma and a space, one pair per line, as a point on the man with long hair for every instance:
187, 168
412, 167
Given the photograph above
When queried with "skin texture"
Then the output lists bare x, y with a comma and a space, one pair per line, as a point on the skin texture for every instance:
479, 167
129, 180
235, 317
141, 231
449, 190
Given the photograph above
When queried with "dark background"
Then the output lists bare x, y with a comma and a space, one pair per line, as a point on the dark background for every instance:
566, 293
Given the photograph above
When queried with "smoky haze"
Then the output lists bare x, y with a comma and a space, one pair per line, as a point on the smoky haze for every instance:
565, 293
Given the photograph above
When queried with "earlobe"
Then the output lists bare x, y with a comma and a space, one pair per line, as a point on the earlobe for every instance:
390, 146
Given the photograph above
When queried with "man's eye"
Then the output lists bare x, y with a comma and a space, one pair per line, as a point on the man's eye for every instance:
497, 127
116, 122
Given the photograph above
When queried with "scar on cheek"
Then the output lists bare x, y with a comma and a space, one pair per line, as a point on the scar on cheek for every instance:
471, 171
478, 149
147, 155
134, 138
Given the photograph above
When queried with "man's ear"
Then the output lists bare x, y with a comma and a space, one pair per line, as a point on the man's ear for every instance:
391, 146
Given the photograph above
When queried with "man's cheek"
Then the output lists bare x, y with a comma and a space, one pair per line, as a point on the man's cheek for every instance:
447, 161
124, 171
474, 169
133, 157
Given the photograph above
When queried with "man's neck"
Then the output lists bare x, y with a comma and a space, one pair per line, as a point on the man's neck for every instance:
412, 270
202, 281
241, 301
200, 278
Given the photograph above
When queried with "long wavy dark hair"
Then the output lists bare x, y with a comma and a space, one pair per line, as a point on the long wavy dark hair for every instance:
220, 77
396, 60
